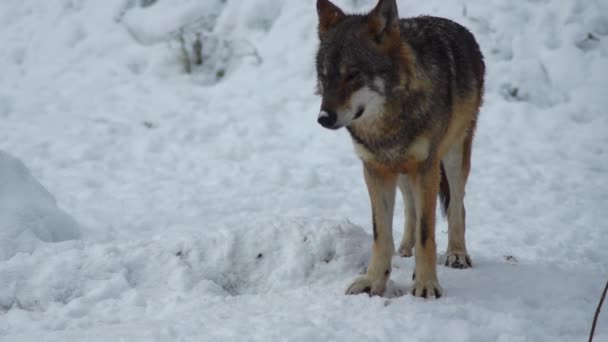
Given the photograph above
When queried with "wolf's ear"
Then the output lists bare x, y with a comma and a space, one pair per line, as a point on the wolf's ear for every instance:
384, 19
329, 15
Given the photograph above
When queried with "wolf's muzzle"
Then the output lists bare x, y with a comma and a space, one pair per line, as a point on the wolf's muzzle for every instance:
327, 119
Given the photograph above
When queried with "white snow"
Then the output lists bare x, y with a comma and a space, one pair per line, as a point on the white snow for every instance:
226, 212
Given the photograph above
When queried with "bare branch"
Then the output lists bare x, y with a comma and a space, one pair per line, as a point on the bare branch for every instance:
597, 312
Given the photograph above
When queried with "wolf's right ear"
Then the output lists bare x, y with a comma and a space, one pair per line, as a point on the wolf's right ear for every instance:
329, 15
384, 19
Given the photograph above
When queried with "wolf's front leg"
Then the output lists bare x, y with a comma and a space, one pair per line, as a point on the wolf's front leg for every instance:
426, 184
381, 187
409, 233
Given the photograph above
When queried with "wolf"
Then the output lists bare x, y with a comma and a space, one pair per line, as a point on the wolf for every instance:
409, 93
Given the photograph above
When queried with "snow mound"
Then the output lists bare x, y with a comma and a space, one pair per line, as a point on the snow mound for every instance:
157, 23
257, 258
28, 213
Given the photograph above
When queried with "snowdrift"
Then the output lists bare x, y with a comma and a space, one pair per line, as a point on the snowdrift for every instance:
29, 215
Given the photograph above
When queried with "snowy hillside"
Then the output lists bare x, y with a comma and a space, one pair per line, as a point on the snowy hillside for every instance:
142, 203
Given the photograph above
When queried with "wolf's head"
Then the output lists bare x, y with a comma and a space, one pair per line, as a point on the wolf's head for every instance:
357, 62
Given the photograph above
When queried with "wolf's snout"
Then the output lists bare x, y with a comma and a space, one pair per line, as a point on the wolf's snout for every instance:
327, 118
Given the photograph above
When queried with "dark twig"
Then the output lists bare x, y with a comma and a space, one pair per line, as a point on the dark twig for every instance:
597, 312
197, 46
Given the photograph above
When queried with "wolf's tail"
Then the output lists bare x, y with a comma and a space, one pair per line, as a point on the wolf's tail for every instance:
444, 192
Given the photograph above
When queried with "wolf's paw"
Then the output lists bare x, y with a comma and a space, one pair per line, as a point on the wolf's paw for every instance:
366, 284
427, 289
405, 251
459, 260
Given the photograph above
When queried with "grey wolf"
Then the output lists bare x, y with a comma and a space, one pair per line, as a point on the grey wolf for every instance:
409, 92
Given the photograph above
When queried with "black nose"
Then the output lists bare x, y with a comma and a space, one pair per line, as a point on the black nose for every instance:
327, 118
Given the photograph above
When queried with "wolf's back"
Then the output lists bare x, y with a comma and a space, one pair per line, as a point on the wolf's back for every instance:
447, 51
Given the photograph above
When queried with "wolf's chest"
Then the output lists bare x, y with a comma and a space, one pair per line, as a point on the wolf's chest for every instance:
399, 158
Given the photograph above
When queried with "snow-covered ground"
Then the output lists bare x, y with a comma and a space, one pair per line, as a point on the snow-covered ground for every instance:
224, 212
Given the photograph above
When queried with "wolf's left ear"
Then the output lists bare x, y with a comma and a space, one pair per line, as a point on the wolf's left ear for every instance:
329, 15
384, 18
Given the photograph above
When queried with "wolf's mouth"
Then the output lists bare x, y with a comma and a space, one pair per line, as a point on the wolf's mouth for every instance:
359, 113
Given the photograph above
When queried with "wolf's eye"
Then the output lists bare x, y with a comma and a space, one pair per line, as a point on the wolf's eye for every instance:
353, 74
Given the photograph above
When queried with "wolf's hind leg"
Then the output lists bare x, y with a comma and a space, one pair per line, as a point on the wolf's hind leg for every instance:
457, 164
381, 188
408, 240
